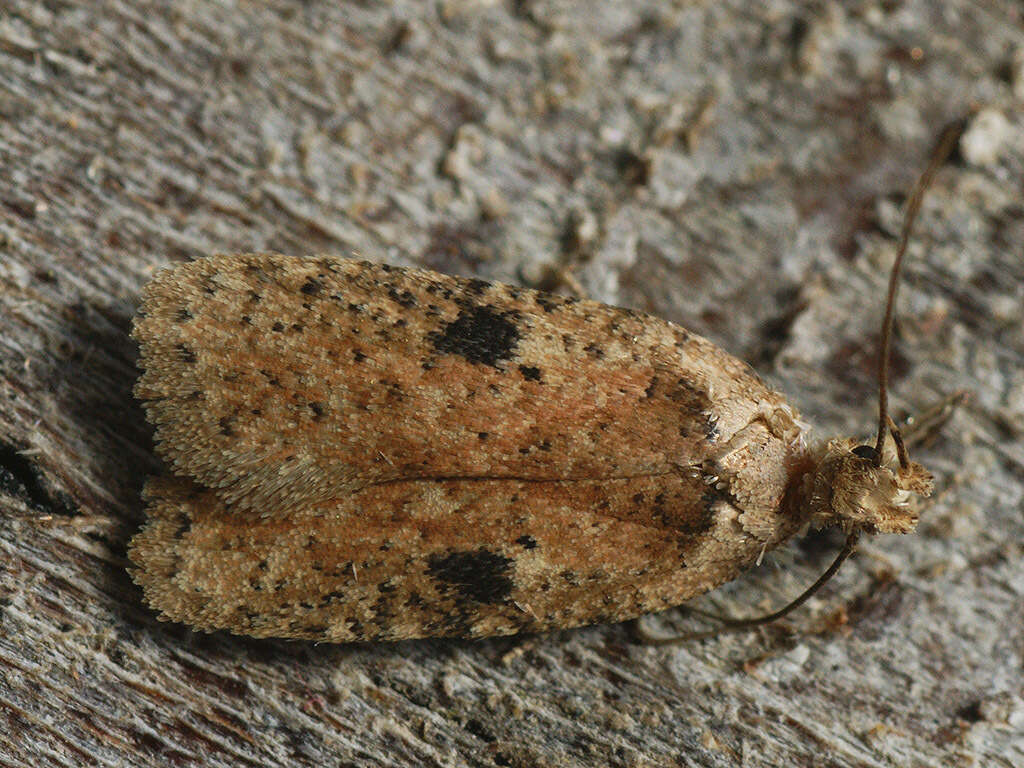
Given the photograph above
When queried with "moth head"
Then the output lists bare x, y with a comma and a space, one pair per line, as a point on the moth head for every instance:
857, 489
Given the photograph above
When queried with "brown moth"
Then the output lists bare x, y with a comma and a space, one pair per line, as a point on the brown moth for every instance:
364, 452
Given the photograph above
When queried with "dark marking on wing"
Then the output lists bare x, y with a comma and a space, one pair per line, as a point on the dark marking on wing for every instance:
480, 334
530, 372
479, 575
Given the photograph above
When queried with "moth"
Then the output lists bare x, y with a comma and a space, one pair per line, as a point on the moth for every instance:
362, 452
365, 452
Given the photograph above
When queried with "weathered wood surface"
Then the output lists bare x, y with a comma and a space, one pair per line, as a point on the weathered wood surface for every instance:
734, 167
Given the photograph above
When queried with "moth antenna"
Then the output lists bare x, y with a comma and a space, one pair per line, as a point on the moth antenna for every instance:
738, 625
943, 149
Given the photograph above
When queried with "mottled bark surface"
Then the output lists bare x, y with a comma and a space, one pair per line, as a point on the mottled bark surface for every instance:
735, 168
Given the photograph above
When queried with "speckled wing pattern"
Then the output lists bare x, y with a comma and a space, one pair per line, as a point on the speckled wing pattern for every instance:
369, 452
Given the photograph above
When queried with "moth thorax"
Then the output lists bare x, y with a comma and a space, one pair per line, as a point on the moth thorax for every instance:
845, 488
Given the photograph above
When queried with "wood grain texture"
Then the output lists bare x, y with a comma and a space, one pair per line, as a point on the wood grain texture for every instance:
737, 169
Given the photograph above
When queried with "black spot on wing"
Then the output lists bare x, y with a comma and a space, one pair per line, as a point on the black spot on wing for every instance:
186, 354
709, 502
479, 575
690, 399
530, 372
480, 334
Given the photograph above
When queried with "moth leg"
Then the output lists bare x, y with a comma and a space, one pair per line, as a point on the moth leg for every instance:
555, 277
922, 428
